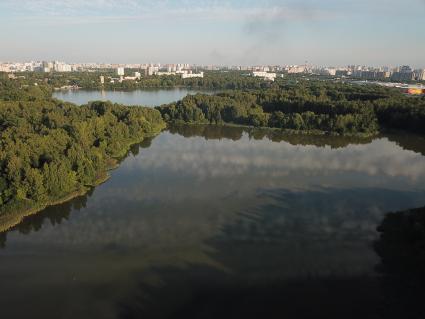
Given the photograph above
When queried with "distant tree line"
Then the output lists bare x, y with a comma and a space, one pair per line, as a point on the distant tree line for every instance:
213, 80
318, 106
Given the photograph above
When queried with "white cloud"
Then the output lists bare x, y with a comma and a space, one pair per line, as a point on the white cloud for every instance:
269, 10
96, 11
71, 6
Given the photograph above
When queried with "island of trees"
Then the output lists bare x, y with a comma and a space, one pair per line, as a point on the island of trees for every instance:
51, 151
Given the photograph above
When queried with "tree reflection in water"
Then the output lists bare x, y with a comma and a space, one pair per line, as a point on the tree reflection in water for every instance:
3, 239
54, 214
214, 132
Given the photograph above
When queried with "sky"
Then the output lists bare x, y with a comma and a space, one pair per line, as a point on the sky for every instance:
239, 32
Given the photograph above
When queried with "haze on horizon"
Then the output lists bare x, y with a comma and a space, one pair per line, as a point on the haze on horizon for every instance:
325, 32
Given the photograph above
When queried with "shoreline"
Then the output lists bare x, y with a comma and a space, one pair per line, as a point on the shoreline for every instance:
13, 218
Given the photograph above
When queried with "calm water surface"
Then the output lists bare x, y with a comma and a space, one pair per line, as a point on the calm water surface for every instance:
213, 222
146, 97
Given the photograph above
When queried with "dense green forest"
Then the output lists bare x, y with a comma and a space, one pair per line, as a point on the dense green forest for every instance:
50, 149
305, 106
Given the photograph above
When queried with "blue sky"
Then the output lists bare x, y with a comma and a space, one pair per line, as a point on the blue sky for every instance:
324, 32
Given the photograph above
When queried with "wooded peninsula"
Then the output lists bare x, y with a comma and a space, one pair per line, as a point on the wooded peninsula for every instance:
52, 151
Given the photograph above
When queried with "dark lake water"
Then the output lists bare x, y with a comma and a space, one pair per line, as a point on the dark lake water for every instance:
145, 97
214, 222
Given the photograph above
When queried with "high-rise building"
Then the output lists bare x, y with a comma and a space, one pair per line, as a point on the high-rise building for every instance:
420, 74
120, 71
404, 73
151, 70
405, 69
371, 75
46, 66
62, 67
4, 68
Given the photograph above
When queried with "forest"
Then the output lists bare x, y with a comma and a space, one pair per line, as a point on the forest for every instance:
50, 149
338, 108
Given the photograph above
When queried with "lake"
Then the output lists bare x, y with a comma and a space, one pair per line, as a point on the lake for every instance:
146, 97
219, 222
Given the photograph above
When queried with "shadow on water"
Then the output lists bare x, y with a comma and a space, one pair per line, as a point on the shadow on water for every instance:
274, 267
401, 247
3, 238
218, 295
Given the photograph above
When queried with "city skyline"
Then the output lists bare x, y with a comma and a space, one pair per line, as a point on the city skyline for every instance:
137, 65
218, 32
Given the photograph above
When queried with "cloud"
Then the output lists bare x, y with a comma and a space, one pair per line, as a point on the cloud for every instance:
140, 9
71, 7
268, 12
103, 7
